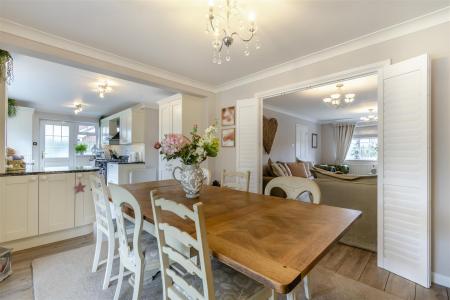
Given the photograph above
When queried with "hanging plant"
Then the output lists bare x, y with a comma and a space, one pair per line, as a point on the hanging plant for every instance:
6, 66
12, 107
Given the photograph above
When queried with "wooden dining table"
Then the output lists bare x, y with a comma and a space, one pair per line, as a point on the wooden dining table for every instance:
272, 240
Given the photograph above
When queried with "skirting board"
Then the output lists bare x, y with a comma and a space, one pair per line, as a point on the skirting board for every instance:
441, 279
48, 238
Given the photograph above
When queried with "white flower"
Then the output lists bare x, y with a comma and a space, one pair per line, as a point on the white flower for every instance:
200, 151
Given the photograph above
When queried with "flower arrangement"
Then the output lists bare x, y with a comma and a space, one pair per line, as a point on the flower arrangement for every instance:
190, 151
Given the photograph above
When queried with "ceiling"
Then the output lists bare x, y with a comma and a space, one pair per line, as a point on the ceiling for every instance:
52, 87
170, 34
308, 103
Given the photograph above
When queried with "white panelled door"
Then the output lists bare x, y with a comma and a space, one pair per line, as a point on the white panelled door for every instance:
404, 170
248, 140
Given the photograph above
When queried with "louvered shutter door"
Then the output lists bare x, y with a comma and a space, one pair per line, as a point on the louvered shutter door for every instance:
248, 140
404, 172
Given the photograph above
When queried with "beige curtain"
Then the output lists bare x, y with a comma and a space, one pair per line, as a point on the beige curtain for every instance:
343, 135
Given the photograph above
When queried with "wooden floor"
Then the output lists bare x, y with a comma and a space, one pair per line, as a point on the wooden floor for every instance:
354, 263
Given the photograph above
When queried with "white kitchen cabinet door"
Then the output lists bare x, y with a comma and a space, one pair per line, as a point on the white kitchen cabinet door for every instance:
104, 132
18, 207
84, 205
112, 170
125, 127
177, 124
56, 202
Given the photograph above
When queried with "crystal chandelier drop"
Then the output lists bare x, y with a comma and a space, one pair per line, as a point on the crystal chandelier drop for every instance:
371, 117
226, 23
335, 99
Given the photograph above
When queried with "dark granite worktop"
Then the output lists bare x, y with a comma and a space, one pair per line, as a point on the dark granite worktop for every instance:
49, 170
126, 162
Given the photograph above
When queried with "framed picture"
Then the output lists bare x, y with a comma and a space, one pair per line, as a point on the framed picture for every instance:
228, 116
314, 140
228, 137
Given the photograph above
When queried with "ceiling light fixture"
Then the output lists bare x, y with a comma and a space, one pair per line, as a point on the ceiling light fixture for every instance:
371, 117
103, 88
335, 101
78, 108
225, 22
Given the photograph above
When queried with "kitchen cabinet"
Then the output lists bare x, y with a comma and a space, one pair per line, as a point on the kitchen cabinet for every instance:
18, 207
120, 173
129, 124
56, 202
104, 132
178, 114
84, 204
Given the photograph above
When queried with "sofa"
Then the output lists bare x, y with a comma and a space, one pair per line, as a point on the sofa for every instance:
354, 192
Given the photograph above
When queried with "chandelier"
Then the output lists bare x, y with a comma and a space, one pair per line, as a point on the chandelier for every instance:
103, 88
335, 100
226, 23
371, 117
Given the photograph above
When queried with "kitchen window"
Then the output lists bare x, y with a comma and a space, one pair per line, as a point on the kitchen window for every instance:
87, 134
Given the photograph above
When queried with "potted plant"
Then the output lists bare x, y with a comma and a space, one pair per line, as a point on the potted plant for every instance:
191, 152
6, 66
12, 107
81, 148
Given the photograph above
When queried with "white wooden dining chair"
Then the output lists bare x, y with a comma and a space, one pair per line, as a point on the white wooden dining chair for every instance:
131, 258
236, 180
199, 283
207, 176
105, 227
294, 187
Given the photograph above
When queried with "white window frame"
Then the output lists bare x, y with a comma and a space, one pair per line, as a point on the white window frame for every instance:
363, 160
73, 132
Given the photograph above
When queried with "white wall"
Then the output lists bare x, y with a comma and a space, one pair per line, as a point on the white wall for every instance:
19, 133
434, 41
283, 148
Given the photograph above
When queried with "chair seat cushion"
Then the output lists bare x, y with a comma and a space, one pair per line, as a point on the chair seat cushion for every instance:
228, 283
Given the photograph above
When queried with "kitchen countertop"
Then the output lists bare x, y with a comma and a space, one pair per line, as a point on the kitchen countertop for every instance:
125, 162
49, 170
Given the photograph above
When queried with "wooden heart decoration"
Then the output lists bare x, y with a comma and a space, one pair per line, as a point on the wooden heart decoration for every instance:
270, 127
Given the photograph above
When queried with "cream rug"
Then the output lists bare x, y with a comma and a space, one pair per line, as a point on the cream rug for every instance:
67, 275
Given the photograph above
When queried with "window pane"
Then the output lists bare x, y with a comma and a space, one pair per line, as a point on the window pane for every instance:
57, 130
86, 129
56, 147
48, 129
363, 149
65, 131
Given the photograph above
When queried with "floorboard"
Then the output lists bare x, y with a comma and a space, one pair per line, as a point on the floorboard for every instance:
401, 287
351, 262
354, 263
436, 292
374, 276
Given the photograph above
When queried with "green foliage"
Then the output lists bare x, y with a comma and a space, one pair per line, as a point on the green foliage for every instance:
81, 148
6, 66
12, 108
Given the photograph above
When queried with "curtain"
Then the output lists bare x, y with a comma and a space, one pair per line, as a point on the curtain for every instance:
343, 134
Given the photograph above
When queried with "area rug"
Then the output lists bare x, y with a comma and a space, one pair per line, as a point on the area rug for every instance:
67, 276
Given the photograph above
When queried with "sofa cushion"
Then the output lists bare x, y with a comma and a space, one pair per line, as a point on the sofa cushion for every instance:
278, 170
298, 169
285, 168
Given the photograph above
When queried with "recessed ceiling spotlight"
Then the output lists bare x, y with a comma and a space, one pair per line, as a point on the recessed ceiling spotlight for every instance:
103, 88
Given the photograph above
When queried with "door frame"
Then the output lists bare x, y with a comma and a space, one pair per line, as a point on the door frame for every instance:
366, 70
